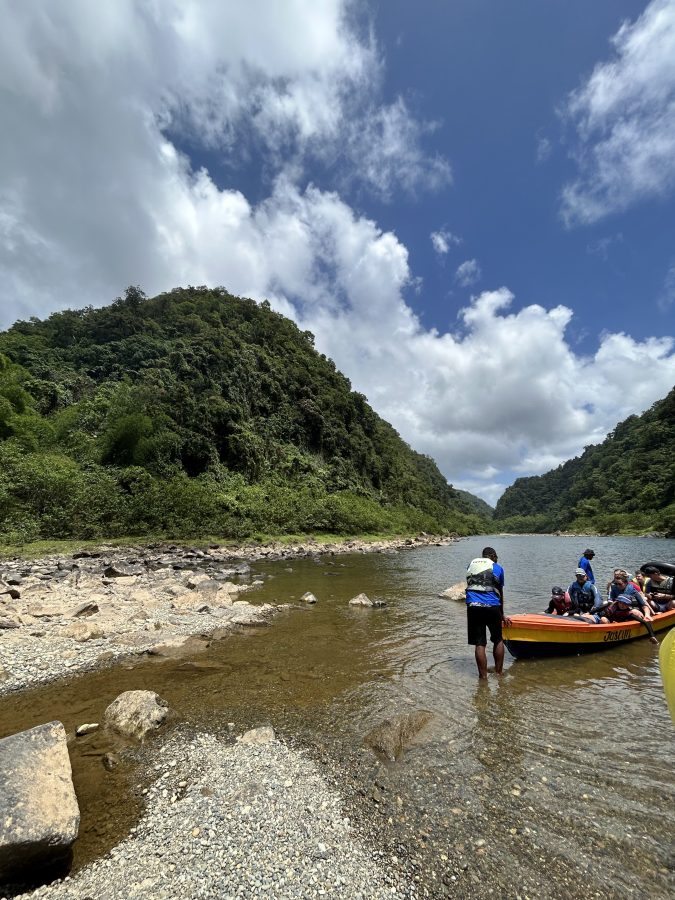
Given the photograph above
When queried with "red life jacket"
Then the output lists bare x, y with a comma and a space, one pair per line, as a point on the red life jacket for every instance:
617, 613
561, 604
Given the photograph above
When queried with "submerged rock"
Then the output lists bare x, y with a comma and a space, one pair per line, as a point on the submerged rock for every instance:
39, 813
308, 597
392, 736
110, 761
183, 645
365, 601
87, 728
455, 592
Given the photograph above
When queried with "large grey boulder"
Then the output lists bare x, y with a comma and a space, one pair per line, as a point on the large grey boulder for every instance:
39, 814
135, 713
455, 592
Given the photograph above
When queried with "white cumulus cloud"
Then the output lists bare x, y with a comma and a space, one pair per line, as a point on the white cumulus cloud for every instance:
624, 115
95, 194
443, 240
468, 272
543, 150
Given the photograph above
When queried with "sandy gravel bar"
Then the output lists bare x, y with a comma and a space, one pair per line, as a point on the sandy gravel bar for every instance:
230, 820
63, 615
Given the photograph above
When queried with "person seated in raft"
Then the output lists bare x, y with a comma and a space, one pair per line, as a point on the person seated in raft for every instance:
617, 571
583, 593
639, 579
560, 603
621, 585
622, 610
659, 590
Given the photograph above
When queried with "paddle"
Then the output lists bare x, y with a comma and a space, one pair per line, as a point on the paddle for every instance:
667, 663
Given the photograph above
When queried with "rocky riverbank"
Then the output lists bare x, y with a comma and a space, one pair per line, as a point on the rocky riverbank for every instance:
222, 819
226, 820
62, 615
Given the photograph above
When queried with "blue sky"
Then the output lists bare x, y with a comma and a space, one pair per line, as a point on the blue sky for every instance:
496, 75
470, 203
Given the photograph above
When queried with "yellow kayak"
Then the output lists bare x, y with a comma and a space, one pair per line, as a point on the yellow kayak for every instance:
667, 663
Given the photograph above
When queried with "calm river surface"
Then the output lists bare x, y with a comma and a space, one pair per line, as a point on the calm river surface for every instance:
556, 780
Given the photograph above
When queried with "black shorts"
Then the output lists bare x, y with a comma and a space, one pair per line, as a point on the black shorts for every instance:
478, 618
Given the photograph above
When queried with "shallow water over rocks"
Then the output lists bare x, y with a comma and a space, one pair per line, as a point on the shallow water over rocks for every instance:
556, 780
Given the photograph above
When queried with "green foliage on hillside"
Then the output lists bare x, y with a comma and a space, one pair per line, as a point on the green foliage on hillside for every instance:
624, 485
479, 506
197, 413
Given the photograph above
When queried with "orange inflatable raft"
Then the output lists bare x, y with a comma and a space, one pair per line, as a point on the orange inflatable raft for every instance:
539, 634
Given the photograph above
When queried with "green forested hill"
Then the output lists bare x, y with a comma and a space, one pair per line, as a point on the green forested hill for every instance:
479, 506
625, 484
197, 412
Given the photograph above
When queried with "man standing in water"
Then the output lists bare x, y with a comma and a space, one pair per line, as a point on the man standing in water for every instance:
485, 609
585, 564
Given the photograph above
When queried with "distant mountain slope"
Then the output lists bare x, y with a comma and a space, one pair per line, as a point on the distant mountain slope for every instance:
197, 412
479, 506
627, 483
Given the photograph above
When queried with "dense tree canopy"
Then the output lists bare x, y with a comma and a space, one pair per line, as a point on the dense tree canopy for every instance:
626, 484
197, 412
479, 506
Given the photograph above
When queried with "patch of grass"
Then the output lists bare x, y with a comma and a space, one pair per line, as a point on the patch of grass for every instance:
37, 549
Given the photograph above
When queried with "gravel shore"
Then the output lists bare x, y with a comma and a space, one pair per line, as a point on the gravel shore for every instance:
230, 820
65, 615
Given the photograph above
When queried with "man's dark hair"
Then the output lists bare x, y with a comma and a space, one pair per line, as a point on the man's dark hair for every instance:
649, 570
489, 551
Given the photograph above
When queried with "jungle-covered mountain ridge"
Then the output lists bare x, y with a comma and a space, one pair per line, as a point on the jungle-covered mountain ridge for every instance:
198, 413
626, 484
477, 504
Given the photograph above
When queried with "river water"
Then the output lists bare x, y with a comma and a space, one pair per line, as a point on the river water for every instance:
556, 780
